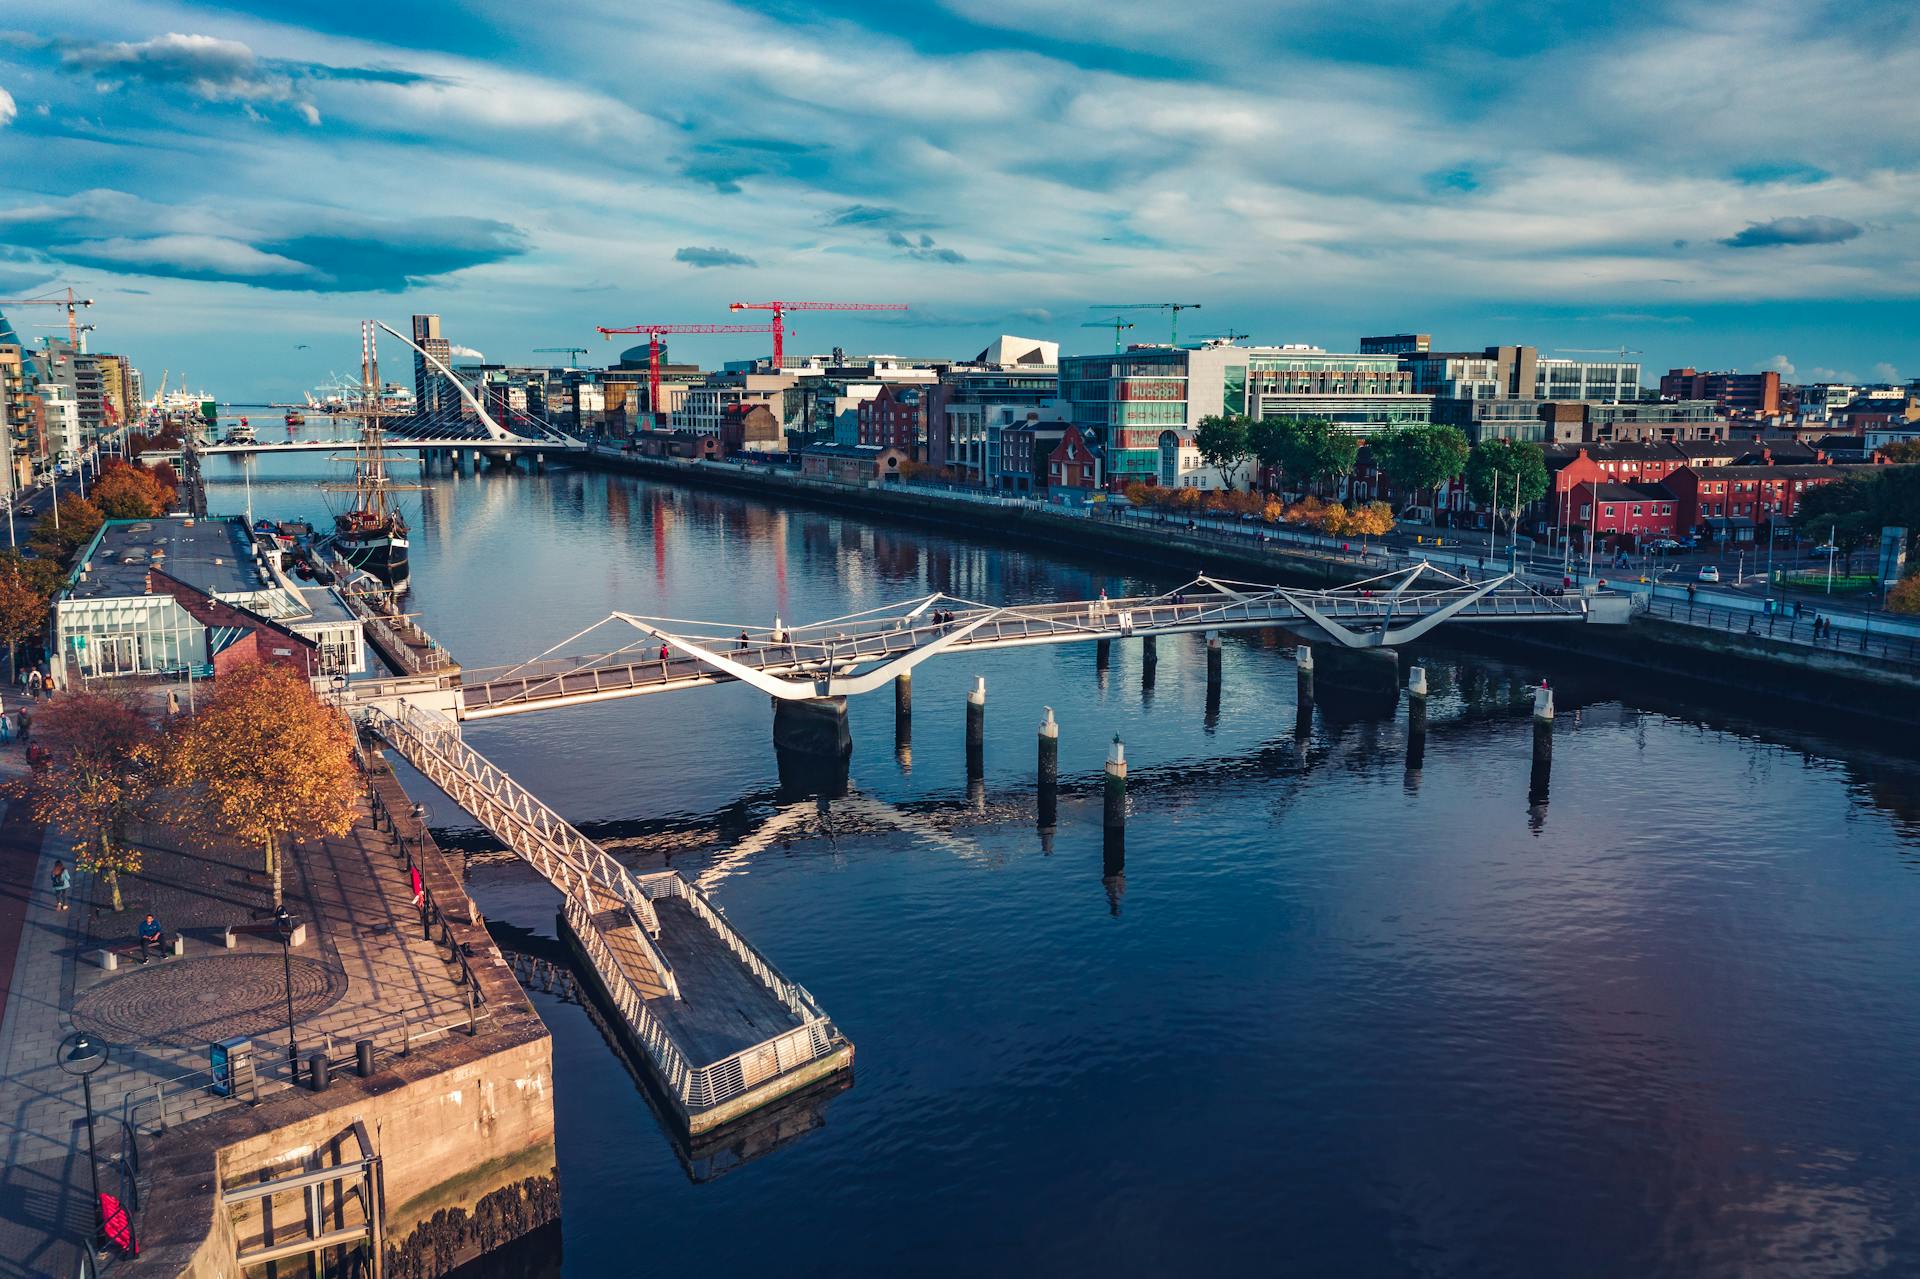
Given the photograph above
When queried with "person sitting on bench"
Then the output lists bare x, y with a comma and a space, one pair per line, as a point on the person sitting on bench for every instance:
150, 936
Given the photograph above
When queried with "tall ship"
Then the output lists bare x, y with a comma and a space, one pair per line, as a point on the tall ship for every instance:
371, 534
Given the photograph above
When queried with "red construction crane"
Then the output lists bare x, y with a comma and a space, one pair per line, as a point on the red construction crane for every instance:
653, 332
66, 299
780, 310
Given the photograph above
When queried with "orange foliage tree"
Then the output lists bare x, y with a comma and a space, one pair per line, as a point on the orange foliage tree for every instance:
93, 777
1904, 597
26, 587
266, 762
129, 493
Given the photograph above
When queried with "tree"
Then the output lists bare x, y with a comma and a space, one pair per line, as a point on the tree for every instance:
1509, 461
266, 762
1902, 451
1904, 597
1316, 451
1225, 444
129, 493
24, 596
1375, 519
93, 777
168, 478
1271, 440
1416, 459
79, 521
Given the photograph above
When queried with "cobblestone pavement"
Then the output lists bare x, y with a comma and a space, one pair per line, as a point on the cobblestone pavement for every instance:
366, 971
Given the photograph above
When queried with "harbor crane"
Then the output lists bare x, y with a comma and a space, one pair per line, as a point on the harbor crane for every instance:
1172, 308
780, 310
66, 299
654, 331
1116, 324
560, 350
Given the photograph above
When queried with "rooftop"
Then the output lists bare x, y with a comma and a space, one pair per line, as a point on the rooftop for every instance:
215, 555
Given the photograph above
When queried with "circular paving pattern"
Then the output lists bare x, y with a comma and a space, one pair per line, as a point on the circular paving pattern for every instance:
189, 1003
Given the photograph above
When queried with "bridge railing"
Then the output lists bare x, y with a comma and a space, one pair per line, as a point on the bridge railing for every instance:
667, 1057
565, 857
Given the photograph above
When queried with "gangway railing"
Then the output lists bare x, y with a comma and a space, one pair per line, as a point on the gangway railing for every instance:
515, 816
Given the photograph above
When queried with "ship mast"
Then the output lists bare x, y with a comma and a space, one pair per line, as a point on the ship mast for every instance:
371, 488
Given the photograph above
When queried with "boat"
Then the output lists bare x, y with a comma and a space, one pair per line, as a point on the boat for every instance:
239, 434
295, 417
371, 534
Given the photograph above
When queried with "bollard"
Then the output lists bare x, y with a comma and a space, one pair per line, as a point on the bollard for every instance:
1543, 702
902, 697
319, 1072
1417, 681
1049, 751
1213, 659
363, 1057
977, 728
1102, 654
1303, 664
1149, 649
1116, 806
1113, 851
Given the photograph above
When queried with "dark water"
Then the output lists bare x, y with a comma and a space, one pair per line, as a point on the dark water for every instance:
1332, 1016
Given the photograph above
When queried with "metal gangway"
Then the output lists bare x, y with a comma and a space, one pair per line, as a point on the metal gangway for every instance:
859, 652
629, 929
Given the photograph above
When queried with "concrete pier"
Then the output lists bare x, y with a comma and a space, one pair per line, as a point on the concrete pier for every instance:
1417, 703
1540, 779
1213, 662
1303, 668
977, 728
1102, 654
1048, 772
902, 698
1149, 650
816, 727
1113, 859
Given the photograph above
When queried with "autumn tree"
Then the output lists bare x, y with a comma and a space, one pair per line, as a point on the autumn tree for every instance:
1904, 595
79, 521
93, 778
266, 762
1375, 519
129, 493
26, 588
1311, 450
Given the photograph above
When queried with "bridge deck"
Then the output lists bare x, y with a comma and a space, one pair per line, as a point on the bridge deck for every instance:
814, 652
614, 922
723, 1009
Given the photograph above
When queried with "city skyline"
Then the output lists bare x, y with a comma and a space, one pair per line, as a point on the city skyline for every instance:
232, 187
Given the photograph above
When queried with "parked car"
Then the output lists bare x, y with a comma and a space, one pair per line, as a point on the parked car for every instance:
1709, 573
1663, 544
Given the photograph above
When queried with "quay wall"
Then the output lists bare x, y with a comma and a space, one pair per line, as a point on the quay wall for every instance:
463, 1125
1815, 679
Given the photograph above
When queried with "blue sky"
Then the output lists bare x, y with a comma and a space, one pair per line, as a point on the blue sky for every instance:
1710, 185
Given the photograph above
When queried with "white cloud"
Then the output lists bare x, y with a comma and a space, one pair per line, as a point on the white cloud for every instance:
210, 253
1886, 372
1777, 364
308, 112
8, 112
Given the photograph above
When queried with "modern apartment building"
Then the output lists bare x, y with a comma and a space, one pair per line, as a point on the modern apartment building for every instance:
1520, 373
1596, 381
970, 406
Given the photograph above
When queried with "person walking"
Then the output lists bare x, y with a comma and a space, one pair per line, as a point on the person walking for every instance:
26, 727
62, 884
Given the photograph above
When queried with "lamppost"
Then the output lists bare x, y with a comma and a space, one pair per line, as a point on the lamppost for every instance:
81, 1054
283, 924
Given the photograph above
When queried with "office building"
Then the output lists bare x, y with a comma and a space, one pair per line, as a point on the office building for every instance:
1745, 394
431, 394
1397, 344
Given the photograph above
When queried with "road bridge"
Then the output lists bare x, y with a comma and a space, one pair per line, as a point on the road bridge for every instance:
846, 656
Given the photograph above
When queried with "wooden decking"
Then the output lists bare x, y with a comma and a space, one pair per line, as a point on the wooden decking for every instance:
615, 923
723, 1009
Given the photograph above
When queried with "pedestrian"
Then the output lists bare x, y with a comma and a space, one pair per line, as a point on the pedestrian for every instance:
150, 935
26, 728
62, 884
33, 682
742, 645
663, 653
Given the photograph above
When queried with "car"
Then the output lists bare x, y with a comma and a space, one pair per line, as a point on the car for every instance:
1686, 543
1826, 548
1664, 544
1709, 573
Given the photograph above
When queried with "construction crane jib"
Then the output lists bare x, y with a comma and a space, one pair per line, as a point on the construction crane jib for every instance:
1172, 308
654, 331
780, 310
64, 298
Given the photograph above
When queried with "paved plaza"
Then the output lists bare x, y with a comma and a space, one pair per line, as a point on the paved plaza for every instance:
365, 971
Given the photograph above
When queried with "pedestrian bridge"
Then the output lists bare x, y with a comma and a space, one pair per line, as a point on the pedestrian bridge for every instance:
859, 652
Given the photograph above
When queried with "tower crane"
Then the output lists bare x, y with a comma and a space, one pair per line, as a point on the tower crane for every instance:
560, 350
1172, 308
653, 332
780, 310
1618, 352
68, 300
1116, 324
1228, 336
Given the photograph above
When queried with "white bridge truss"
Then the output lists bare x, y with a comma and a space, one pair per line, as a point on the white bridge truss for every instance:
845, 656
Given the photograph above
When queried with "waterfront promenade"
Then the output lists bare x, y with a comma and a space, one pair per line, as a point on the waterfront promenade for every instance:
365, 971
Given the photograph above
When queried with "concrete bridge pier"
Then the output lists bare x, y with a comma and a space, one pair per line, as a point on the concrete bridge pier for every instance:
977, 728
1113, 858
1416, 726
1541, 777
816, 727
1213, 663
1303, 673
1102, 654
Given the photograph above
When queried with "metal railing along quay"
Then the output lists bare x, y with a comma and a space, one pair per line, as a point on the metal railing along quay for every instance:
1783, 625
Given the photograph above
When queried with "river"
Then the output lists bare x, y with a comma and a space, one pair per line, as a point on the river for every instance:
1332, 1015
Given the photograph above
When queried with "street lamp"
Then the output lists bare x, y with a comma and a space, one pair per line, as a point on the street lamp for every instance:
283, 924
81, 1054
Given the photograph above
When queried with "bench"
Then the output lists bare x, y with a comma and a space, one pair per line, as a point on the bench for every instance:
109, 957
269, 930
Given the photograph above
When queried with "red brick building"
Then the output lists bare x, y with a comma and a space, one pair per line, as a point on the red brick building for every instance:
1640, 512
238, 636
1072, 464
1734, 500
896, 418
1750, 394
